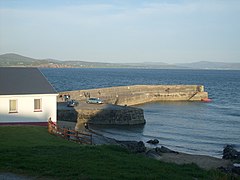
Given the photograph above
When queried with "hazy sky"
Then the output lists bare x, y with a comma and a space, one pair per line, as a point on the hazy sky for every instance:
168, 31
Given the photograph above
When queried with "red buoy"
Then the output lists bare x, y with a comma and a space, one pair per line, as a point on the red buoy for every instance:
206, 100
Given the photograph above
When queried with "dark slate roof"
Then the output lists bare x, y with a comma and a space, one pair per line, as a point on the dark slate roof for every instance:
16, 80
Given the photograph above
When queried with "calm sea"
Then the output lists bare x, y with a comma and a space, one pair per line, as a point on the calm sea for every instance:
192, 127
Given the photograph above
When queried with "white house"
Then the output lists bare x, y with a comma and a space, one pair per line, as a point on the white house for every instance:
26, 96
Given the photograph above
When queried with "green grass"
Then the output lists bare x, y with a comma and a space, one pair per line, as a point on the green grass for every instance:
32, 151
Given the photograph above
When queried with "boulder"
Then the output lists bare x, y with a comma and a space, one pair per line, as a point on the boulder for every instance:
133, 146
153, 141
230, 153
236, 170
164, 149
226, 170
230, 169
153, 154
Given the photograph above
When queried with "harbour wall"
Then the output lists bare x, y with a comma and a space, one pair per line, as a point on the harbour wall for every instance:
140, 94
102, 114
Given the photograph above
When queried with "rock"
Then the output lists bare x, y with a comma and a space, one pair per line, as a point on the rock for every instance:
154, 141
153, 154
230, 169
236, 169
133, 146
163, 149
226, 170
230, 153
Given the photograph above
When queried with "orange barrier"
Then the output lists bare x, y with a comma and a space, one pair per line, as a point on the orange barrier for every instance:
72, 135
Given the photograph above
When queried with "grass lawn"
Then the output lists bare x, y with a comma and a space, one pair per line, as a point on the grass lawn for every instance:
30, 150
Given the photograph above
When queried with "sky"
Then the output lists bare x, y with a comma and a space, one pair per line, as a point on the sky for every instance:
169, 31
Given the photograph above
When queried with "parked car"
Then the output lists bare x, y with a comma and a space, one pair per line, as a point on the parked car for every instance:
72, 103
95, 101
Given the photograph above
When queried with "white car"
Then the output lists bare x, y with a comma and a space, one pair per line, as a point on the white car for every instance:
94, 101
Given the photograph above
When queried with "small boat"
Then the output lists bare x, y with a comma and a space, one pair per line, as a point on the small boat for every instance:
206, 100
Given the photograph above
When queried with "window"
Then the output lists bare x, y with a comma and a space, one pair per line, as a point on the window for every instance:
37, 105
13, 106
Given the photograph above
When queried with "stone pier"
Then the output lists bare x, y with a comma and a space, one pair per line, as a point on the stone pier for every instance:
117, 100
140, 94
103, 114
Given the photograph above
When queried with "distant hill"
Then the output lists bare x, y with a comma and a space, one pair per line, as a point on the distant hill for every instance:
211, 65
10, 60
15, 60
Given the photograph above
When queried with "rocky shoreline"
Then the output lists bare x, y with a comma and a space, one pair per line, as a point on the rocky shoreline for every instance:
230, 163
227, 164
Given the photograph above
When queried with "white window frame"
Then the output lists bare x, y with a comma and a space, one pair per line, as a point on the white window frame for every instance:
10, 108
37, 109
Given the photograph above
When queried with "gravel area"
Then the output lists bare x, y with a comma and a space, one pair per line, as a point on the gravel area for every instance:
205, 162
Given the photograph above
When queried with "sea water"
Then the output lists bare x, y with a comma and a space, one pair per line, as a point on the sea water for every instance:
192, 127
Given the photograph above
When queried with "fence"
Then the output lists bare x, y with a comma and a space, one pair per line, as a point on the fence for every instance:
79, 137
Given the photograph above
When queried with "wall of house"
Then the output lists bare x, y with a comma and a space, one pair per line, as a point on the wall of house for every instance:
25, 110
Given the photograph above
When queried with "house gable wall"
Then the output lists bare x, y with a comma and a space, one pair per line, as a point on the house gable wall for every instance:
25, 108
